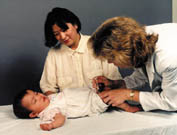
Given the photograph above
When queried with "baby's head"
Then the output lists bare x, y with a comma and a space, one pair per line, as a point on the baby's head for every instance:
28, 104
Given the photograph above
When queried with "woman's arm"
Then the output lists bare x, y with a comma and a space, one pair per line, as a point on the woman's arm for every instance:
47, 93
108, 83
128, 108
118, 96
59, 120
165, 98
48, 80
136, 79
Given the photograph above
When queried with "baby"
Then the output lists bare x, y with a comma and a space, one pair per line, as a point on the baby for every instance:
55, 108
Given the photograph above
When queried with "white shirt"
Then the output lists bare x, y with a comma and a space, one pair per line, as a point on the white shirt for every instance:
81, 102
161, 69
67, 68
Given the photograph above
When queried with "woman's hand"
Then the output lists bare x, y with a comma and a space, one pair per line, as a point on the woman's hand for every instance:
49, 93
101, 79
128, 108
115, 97
109, 84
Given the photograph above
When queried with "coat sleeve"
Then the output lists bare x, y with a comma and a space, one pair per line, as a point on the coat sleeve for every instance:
165, 99
110, 71
136, 79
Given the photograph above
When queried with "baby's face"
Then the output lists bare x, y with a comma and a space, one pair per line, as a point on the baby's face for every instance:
34, 101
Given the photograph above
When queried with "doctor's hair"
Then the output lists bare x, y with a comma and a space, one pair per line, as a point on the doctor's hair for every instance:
19, 110
59, 16
123, 39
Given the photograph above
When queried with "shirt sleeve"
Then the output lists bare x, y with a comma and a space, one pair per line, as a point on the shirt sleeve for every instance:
110, 71
167, 98
48, 115
136, 79
48, 80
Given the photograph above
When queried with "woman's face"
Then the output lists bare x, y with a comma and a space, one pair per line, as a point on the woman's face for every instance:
69, 37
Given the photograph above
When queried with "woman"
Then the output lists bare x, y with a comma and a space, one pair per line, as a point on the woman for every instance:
150, 50
70, 62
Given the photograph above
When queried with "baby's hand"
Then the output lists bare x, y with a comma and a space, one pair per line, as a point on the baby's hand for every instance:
59, 120
45, 126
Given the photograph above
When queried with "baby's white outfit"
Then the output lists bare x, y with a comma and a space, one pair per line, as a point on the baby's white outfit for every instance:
79, 103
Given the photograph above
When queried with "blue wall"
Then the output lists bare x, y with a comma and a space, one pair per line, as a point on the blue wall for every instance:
22, 50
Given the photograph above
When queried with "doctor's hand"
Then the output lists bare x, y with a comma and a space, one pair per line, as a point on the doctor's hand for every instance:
101, 79
115, 97
128, 108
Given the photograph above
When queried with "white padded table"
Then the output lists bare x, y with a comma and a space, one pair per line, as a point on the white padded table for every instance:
109, 123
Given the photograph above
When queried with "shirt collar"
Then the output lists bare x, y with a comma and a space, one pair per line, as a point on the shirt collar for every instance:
81, 47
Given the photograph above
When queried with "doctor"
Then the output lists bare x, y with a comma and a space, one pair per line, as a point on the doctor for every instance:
150, 50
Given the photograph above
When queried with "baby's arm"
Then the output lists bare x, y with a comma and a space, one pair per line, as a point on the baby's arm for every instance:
59, 120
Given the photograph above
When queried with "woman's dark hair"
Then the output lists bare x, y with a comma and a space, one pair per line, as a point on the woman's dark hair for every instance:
18, 109
59, 16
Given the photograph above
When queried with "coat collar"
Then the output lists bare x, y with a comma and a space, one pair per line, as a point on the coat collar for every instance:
150, 69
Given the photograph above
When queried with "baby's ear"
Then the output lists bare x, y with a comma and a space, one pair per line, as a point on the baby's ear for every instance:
33, 114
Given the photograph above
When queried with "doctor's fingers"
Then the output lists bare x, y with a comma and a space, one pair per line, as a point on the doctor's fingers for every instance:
114, 101
94, 83
107, 100
102, 79
104, 94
